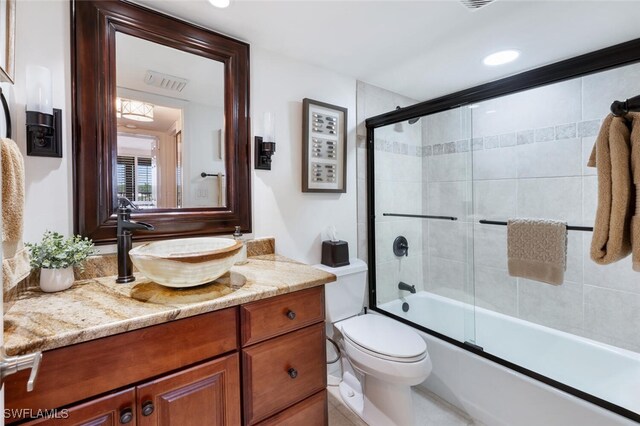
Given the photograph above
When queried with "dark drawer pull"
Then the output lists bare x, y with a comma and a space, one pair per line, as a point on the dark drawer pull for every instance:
147, 408
291, 315
293, 373
126, 415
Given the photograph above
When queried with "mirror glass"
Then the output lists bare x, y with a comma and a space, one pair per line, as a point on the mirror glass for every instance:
170, 115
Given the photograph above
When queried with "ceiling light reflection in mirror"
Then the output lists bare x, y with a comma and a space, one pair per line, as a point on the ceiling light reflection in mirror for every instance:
176, 100
134, 110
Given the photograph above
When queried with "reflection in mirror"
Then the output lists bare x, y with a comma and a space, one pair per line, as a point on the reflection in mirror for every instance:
170, 115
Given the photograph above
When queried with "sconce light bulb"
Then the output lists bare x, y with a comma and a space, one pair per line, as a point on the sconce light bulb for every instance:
220, 3
39, 89
269, 127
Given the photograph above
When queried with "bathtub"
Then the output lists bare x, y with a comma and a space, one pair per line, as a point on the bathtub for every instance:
497, 395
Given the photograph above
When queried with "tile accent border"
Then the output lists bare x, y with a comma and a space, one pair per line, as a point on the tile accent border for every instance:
560, 132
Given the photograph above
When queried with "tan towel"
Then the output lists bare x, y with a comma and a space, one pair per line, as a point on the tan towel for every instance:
12, 197
634, 120
15, 269
537, 249
221, 189
611, 154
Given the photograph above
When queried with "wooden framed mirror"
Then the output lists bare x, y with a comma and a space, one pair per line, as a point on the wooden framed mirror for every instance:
7, 39
161, 116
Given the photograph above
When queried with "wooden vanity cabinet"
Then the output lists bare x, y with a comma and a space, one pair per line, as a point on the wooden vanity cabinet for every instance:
207, 394
284, 357
188, 372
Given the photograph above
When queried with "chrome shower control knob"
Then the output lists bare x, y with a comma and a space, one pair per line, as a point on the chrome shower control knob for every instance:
401, 246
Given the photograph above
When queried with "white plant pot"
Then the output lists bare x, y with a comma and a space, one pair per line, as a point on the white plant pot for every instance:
52, 280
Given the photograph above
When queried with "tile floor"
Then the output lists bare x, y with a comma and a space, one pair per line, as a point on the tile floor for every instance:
430, 411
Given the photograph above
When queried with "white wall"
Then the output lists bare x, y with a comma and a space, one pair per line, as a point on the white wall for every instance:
48, 201
278, 85
280, 208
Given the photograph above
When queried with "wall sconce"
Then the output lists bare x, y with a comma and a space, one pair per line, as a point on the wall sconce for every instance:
265, 146
44, 123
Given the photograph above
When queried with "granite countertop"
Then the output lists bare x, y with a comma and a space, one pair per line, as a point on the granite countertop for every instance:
98, 307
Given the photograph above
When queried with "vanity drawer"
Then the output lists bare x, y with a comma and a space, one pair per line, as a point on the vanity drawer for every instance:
313, 411
272, 317
283, 371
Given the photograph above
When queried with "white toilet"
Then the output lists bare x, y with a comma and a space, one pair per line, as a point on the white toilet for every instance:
388, 357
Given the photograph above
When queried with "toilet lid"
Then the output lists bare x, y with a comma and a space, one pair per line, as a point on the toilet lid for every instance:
384, 336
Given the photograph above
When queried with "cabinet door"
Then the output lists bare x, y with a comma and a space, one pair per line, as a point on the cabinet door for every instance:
111, 410
205, 395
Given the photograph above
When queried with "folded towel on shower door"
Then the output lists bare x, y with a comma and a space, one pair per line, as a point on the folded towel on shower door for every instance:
611, 155
634, 119
537, 249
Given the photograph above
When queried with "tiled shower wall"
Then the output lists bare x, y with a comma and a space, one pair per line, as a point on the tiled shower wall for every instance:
529, 153
398, 190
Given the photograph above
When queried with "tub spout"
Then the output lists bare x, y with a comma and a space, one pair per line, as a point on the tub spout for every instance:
407, 287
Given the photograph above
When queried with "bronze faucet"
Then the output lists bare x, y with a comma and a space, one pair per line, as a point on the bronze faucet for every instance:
125, 228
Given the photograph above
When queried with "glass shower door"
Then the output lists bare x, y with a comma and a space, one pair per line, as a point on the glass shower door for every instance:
423, 227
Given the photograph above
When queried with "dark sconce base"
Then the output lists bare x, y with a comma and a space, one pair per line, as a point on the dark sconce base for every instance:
262, 153
44, 134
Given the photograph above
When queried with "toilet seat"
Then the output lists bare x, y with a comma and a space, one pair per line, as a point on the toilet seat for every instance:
384, 338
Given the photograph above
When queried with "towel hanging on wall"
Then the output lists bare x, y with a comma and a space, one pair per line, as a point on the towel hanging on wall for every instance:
611, 155
220, 189
634, 119
12, 197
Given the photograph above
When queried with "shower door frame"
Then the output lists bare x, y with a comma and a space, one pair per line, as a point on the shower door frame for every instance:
600, 60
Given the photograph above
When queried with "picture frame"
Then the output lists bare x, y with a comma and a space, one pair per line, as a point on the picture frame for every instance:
7, 40
324, 147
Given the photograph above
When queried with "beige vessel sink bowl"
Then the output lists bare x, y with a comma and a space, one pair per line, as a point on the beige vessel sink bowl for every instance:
185, 262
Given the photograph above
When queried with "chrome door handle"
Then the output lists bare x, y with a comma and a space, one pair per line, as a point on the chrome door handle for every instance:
12, 364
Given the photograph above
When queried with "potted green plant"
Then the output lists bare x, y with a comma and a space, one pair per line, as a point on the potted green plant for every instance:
56, 256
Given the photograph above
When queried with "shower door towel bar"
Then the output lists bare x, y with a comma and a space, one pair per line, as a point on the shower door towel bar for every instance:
569, 228
423, 216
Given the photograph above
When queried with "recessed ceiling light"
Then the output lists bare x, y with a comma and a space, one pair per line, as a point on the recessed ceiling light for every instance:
220, 3
502, 57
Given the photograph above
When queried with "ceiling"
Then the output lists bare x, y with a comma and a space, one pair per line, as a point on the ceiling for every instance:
135, 56
421, 49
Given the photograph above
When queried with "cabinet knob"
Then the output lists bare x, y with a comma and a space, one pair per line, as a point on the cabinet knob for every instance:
147, 408
293, 373
126, 415
291, 315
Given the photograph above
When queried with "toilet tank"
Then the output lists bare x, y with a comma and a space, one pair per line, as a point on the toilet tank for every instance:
345, 297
